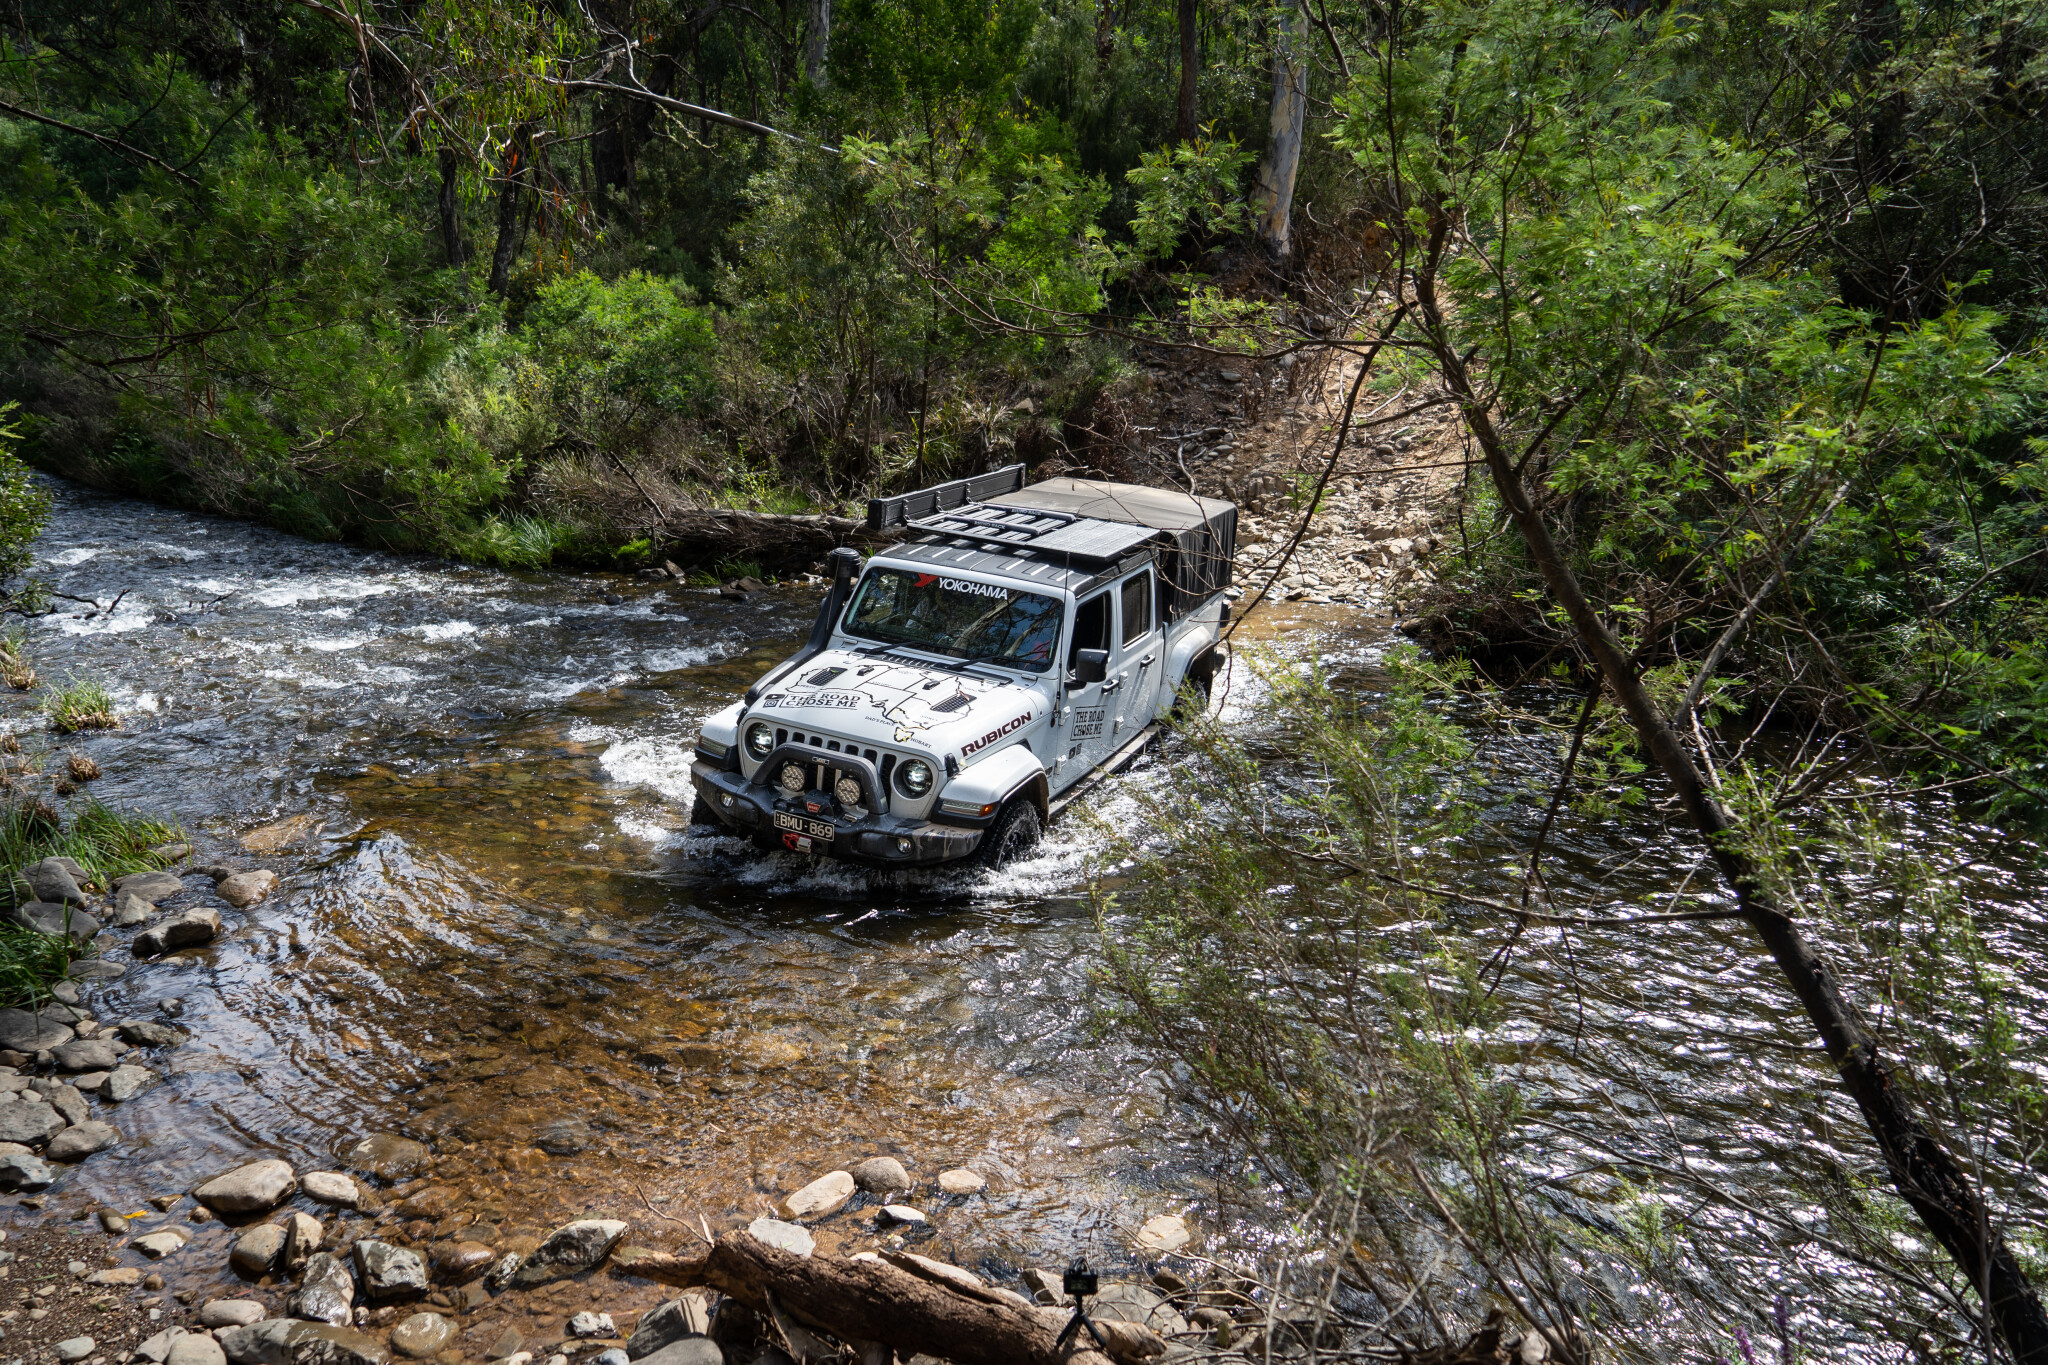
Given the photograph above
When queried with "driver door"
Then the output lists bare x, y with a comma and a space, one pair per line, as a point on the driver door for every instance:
1086, 729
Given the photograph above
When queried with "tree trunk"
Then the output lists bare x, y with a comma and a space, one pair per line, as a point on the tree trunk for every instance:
451, 210
512, 176
1925, 1174
1190, 58
818, 43
907, 1303
1274, 198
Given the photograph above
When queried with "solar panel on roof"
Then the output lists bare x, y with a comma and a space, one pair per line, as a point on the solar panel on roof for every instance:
1095, 539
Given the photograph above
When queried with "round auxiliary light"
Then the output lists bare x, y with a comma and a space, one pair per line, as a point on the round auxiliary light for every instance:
791, 778
847, 790
760, 740
915, 777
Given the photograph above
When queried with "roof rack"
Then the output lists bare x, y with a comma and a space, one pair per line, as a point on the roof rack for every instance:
905, 508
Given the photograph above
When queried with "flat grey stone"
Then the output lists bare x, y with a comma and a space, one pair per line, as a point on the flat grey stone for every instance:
29, 1123
87, 1054
782, 1236
569, 1250
20, 1170
331, 1187
69, 1104
157, 1245
189, 929
252, 1188
96, 969
80, 1141
126, 1082
130, 911
54, 880
158, 1348
231, 1312
389, 1272
76, 1348
47, 918
149, 886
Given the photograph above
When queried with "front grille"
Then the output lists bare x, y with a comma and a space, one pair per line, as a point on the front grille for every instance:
823, 774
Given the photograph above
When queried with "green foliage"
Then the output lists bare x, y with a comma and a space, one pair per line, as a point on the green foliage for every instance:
24, 504
1192, 190
612, 353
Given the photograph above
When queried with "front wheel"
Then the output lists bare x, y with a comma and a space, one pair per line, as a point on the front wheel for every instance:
1015, 833
700, 814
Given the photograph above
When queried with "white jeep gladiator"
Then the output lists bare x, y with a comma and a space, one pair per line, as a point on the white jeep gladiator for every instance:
963, 686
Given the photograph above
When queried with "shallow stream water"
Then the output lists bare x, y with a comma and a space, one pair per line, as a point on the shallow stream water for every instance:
494, 933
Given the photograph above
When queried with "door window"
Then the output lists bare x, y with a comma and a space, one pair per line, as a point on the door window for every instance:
1137, 604
1091, 626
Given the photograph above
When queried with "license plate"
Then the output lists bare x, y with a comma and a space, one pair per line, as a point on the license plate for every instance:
816, 829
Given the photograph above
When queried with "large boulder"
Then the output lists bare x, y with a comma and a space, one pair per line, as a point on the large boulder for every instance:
390, 1272
569, 1250
54, 880
281, 1341
187, 930
253, 1188
327, 1291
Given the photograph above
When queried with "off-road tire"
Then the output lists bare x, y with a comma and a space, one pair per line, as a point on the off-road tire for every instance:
1199, 686
1015, 833
701, 814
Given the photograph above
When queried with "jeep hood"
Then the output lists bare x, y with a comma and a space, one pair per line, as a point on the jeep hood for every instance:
895, 702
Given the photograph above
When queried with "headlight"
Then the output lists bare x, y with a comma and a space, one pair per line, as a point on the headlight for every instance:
914, 778
847, 790
760, 740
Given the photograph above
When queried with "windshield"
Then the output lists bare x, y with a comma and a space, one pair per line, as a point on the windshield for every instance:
956, 616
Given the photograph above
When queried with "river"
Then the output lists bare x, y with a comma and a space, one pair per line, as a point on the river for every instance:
495, 933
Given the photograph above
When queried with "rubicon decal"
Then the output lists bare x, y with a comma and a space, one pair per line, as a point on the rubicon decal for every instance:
966, 585
1008, 727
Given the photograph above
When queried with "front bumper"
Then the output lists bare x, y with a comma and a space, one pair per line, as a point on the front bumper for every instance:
875, 839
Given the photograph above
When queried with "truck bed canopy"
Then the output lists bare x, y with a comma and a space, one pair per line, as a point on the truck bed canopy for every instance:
1202, 531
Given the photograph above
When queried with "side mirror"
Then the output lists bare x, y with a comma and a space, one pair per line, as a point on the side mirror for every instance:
1090, 666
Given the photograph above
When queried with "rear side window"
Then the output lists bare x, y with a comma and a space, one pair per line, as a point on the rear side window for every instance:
1091, 626
1137, 593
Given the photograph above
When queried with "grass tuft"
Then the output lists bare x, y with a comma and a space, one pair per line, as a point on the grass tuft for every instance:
15, 669
106, 842
82, 768
80, 704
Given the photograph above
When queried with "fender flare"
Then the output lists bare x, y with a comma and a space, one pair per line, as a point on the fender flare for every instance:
1001, 776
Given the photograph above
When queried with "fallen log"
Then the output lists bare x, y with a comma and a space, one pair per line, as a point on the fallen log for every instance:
907, 1303
772, 537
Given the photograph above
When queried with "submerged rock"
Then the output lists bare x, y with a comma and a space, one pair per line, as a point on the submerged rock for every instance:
960, 1181
149, 1033
1163, 1234
389, 1156
126, 1082
569, 1249
460, 1262
280, 1341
